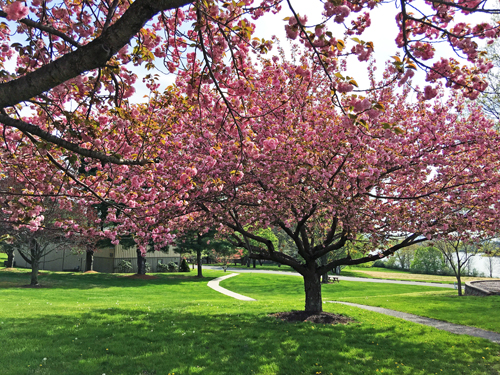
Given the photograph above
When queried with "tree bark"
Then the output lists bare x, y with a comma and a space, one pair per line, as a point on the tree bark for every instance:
10, 258
459, 283
141, 263
34, 272
312, 288
198, 261
89, 260
324, 277
254, 261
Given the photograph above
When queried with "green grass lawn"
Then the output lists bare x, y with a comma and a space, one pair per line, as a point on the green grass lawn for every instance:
425, 301
107, 324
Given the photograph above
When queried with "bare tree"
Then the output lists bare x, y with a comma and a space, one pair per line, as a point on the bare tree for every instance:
457, 252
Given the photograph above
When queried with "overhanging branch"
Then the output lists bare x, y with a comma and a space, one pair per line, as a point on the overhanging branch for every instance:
46, 136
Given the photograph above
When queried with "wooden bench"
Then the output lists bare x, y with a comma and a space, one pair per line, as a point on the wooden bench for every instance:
334, 279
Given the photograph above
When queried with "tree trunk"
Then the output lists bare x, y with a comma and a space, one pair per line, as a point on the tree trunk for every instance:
459, 283
141, 263
198, 261
89, 260
10, 258
34, 272
312, 288
254, 261
324, 277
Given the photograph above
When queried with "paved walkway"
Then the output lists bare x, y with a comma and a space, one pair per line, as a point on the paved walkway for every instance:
445, 326
439, 324
214, 284
346, 278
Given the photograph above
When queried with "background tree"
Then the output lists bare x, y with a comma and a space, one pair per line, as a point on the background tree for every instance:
428, 260
8, 248
261, 232
458, 249
405, 257
200, 243
33, 245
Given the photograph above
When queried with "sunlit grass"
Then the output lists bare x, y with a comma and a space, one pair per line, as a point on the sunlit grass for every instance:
383, 273
97, 323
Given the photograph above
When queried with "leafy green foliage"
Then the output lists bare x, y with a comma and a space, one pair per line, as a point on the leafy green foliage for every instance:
124, 266
172, 267
193, 241
184, 266
162, 267
428, 260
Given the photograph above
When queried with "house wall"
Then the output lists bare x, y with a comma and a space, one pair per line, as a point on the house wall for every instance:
108, 259
105, 260
56, 260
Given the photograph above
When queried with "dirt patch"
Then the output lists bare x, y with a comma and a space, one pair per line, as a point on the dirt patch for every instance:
91, 272
319, 318
141, 277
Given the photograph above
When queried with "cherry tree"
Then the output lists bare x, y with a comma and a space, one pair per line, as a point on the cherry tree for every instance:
293, 146
395, 172
34, 244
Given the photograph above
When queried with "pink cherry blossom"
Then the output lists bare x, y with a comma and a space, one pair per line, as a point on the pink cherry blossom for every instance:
16, 11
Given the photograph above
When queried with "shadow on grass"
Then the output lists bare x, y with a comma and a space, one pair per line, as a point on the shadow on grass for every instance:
72, 280
125, 341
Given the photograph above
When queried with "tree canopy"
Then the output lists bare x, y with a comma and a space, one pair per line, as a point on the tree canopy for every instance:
244, 139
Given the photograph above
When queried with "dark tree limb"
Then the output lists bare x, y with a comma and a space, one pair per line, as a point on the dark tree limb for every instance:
91, 56
46, 136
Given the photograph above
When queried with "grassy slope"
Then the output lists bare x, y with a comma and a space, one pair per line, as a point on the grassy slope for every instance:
95, 324
425, 301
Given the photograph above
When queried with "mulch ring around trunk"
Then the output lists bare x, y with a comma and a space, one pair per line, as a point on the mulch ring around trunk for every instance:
312, 317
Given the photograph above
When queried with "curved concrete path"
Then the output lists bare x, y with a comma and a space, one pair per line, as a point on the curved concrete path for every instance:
439, 324
445, 326
214, 284
346, 278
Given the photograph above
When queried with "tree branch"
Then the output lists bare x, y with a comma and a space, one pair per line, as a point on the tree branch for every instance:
91, 56
46, 136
